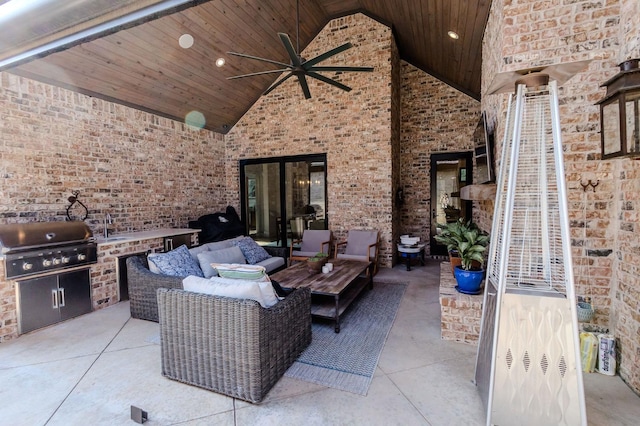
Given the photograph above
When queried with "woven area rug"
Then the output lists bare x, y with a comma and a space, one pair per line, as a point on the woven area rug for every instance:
347, 360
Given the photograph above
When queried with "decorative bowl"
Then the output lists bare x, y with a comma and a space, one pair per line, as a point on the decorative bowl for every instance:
409, 241
315, 266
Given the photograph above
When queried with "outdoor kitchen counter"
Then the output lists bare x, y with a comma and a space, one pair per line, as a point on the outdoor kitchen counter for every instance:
145, 235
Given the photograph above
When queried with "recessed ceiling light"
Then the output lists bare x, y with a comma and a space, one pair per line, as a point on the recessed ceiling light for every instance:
220, 62
185, 41
454, 35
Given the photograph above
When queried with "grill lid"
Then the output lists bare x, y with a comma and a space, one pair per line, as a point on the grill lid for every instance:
22, 236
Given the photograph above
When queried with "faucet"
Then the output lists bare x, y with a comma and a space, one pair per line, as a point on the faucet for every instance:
107, 222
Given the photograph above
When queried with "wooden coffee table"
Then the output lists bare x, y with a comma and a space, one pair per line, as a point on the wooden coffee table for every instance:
331, 293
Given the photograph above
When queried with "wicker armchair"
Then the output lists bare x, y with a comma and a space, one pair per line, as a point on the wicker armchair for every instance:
231, 346
143, 285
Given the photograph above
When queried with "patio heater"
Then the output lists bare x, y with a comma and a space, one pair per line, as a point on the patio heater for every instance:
528, 362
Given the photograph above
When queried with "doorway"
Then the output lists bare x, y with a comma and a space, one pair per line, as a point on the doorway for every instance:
449, 173
281, 197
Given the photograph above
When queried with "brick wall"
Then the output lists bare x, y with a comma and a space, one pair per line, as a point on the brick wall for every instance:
435, 118
625, 320
604, 222
8, 316
147, 172
353, 128
460, 314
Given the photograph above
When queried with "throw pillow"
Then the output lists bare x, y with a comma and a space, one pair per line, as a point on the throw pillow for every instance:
152, 266
226, 255
242, 272
260, 291
251, 250
177, 263
196, 250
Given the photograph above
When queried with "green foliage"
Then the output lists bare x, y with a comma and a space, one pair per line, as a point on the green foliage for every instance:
466, 239
471, 247
318, 256
450, 233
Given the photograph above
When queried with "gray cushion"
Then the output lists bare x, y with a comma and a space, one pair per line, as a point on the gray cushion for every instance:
218, 245
304, 253
358, 243
361, 258
225, 255
312, 240
196, 250
272, 263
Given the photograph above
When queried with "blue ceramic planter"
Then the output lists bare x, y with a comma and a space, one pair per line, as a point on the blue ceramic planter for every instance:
468, 281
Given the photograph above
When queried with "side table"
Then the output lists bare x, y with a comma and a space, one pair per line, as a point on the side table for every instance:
411, 252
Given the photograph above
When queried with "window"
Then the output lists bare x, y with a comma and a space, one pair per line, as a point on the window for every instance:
281, 197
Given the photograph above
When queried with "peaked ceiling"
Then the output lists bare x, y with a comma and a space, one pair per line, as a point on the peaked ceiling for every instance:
140, 63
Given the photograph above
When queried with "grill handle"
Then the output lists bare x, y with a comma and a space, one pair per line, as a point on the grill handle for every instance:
62, 298
54, 299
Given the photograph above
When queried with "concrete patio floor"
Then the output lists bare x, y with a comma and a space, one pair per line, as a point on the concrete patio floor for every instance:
90, 370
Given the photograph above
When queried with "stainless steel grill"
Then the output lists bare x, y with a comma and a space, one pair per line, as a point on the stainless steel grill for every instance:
43, 247
50, 262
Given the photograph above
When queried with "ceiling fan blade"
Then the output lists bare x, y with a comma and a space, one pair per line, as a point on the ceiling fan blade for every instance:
329, 81
295, 60
256, 73
311, 62
344, 69
276, 84
305, 87
242, 55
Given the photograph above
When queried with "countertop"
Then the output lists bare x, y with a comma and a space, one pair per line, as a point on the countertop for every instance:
145, 235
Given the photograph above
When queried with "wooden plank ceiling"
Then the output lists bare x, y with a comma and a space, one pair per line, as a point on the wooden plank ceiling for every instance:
141, 64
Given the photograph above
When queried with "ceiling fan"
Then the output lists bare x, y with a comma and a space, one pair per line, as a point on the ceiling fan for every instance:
300, 67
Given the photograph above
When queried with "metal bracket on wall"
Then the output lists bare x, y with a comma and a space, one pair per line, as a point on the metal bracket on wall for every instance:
590, 183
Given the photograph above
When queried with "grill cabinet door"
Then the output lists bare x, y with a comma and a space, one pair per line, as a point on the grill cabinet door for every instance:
38, 303
47, 300
75, 294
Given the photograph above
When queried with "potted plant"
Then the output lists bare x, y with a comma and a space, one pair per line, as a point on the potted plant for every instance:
471, 245
449, 235
315, 263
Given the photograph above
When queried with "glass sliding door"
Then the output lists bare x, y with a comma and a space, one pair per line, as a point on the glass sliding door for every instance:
262, 206
282, 197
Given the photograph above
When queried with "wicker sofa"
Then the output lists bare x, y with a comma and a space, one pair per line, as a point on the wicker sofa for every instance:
143, 283
231, 346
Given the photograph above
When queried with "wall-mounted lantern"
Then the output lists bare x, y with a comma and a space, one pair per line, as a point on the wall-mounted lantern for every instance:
620, 112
